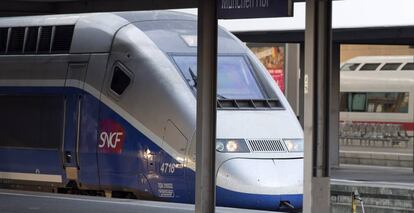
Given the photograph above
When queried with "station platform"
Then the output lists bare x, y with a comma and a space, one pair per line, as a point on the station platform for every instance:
393, 156
391, 175
382, 189
12, 201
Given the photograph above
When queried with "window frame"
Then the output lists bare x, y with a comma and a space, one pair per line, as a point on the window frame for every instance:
127, 72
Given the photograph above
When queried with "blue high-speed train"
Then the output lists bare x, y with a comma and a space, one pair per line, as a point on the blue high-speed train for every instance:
105, 103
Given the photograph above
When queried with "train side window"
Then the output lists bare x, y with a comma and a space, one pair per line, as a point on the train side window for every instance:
120, 81
40, 116
16, 40
377, 102
3, 39
357, 102
408, 66
370, 66
390, 66
402, 102
388, 102
350, 66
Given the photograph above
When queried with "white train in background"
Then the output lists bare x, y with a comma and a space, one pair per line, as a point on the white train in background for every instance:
378, 91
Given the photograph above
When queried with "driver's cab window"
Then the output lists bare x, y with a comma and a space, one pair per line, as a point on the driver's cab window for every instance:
121, 79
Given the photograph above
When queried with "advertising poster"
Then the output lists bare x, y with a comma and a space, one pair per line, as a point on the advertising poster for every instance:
273, 58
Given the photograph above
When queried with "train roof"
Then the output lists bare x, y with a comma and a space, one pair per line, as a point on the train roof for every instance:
92, 32
381, 59
377, 81
386, 73
379, 63
68, 19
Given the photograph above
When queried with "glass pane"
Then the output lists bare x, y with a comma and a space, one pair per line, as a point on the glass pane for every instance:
408, 66
370, 66
390, 66
16, 40
39, 116
388, 102
358, 102
120, 81
402, 102
378, 102
350, 66
235, 79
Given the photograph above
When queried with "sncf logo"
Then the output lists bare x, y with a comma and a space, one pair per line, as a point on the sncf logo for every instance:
111, 137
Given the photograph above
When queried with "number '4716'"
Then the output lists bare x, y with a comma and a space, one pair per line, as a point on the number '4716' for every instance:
168, 168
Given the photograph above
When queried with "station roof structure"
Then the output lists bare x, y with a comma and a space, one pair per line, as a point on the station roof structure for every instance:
353, 21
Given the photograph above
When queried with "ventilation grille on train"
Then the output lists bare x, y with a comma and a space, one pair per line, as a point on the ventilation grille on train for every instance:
36, 40
266, 145
249, 104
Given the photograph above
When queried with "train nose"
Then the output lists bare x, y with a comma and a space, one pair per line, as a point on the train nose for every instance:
268, 184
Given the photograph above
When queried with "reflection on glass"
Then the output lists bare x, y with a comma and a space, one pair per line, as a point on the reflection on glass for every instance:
235, 79
350, 66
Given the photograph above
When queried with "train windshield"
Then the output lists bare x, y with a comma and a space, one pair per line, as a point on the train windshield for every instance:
235, 79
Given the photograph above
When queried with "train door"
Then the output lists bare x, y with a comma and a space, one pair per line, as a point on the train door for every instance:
118, 148
171, 184
79, 148
31, 112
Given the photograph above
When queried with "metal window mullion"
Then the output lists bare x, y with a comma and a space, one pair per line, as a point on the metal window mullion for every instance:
39, 34
26, 35
64, 131
8, 40
78, 125
52, 37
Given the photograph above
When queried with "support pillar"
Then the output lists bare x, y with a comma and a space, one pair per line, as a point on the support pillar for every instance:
334, 106
301, 83
292, 77
318, 38
206, 107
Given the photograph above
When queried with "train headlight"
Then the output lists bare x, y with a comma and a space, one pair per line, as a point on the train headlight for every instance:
294, 145
231, 145
220, 146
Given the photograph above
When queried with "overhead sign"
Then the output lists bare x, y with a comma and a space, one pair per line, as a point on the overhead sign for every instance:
238, 9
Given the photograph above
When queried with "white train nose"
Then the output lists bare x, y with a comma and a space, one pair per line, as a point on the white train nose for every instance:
262, 176
271, 184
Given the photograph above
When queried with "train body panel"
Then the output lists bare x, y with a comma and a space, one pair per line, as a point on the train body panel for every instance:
126, 107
